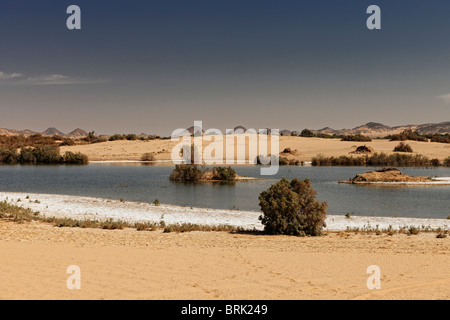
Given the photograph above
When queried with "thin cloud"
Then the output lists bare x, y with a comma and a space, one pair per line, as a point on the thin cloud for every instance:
445, 97
5, 76
45, 80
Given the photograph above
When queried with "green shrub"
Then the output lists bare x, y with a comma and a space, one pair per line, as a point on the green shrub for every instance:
224, 174
117, 137
75, 158
440, 138
186, 173
403, 147
307, 134
290, 208
357, 137
47, 154
131, 137
407, 135
375, 160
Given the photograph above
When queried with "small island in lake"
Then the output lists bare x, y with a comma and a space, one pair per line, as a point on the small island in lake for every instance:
197, 174
393, 176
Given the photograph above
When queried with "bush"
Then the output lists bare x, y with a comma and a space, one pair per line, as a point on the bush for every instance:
403, 147
224, 174
186, 173
75, 158
9, 156
148, 157
68, 142
440, 138
407, 135
307, 134
131, 137
27, 156
47, 154
435, 162
357, 137
447, 162
376, 160
117, 137
290, 208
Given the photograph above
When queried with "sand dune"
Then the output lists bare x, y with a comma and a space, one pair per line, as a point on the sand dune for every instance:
306, 148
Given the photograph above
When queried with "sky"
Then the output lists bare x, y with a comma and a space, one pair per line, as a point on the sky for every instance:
155, 66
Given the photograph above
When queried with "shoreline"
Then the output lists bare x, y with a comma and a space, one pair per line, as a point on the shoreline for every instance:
89, 208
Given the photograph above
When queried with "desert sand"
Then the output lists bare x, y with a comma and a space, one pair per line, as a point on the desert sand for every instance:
305, 148
128, 264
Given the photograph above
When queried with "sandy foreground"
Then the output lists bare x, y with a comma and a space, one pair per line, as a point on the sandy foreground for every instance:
306, 148
127, 264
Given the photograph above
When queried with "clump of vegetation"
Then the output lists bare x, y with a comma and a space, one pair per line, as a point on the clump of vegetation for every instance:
306, 133
190, 227
403, 147
187, 173
375, 160
290, 208
156, 202
117, 137
282, 161
224, 174
17, 142
440, 138
195, 173
407, 135
447, 162
75, 158
435, 162
357, 138
148, 157
46, 154
413, 230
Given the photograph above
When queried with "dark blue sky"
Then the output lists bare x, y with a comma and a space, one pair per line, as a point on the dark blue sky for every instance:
154, 66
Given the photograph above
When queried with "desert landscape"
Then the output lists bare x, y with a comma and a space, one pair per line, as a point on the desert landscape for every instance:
224, 150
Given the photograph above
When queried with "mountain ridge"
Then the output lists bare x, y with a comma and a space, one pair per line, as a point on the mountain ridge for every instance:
370, 129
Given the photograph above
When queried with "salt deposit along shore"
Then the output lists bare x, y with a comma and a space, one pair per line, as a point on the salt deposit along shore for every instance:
87, 208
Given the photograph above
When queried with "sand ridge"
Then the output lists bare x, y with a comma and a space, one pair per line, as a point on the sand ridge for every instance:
305, 148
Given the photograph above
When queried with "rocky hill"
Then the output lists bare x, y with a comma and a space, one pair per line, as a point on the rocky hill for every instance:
378, 130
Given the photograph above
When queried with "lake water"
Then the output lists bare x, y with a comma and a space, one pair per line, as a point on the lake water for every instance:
147, 183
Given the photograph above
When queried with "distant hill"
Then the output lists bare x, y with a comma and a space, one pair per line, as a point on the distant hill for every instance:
77, 134
371, 129
53, 132
378, 130
9, 133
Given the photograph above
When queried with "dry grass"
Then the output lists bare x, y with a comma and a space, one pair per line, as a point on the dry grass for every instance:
13, 213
